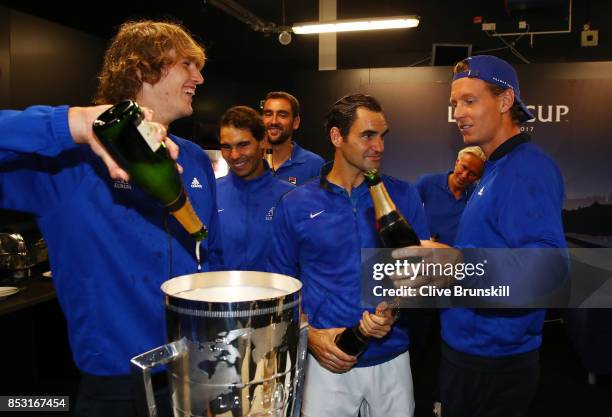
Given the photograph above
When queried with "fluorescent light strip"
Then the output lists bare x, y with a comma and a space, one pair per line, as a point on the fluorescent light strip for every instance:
397, 22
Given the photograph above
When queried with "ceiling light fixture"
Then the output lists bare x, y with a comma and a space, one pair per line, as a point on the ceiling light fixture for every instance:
396, 22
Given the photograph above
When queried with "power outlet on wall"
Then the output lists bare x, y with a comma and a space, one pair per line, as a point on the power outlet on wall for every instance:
488, 26
589, 38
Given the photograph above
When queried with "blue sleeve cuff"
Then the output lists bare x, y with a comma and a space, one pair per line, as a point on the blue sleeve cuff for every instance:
61, 128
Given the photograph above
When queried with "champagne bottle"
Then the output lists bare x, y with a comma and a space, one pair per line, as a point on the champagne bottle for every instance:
352, 341
268, 158
128, 138
393, 228
395, 232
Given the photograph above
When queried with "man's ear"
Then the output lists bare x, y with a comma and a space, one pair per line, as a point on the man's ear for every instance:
506, 100
335, 137
296, 122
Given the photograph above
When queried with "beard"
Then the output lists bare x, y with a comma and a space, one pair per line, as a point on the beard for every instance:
282, 138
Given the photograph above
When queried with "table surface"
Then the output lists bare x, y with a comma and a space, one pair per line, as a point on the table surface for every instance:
35, 290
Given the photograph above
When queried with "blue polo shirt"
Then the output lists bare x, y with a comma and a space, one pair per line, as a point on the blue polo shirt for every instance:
517, 204
300, 167
442, 208
111, 246
319, 232
246, 209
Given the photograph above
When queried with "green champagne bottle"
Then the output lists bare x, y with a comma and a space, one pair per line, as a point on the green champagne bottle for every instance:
394, 232
393, 228
129, 140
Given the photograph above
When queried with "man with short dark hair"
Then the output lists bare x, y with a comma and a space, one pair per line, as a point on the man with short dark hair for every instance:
248, 194
319, 231
290, 162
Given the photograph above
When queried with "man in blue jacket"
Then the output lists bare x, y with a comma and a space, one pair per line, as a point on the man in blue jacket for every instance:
319, 230
111, 246
445, 195
248, 194
489, 361
290, 162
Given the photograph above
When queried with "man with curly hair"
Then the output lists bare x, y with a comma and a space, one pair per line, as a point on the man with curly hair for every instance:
110, 245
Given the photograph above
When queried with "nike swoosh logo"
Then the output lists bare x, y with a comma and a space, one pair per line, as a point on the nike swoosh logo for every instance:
313, 215
220, 210
481, 191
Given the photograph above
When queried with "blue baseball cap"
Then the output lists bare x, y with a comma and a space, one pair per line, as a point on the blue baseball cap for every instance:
496, 71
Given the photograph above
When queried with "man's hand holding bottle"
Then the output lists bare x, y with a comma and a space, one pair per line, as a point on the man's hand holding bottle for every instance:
379, 324
428, 253
80, 121
322, 342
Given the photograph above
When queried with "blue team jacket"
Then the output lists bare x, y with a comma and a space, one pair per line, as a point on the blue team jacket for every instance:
108, 245
517, 204
246, 209
318, 235
302, 166
442, 209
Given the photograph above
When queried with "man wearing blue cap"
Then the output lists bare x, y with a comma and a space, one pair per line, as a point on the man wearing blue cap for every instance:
489, 361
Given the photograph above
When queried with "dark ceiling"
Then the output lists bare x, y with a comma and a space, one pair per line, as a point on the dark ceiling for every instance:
228, 41
234, 48
242, 64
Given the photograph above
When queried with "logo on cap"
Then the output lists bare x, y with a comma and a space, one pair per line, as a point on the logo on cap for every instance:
496, 71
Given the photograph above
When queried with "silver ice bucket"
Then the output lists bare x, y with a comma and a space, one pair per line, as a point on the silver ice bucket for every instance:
235, 346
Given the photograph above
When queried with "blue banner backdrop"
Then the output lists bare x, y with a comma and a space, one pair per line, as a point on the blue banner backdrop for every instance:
571, 103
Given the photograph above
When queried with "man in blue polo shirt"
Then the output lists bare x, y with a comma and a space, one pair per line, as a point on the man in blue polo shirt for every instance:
290, 162
248, 194
445, 195
489, 363
319, 231
111, 246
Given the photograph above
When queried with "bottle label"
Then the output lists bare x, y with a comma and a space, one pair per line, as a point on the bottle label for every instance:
147, 131
268, 159
382, 200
